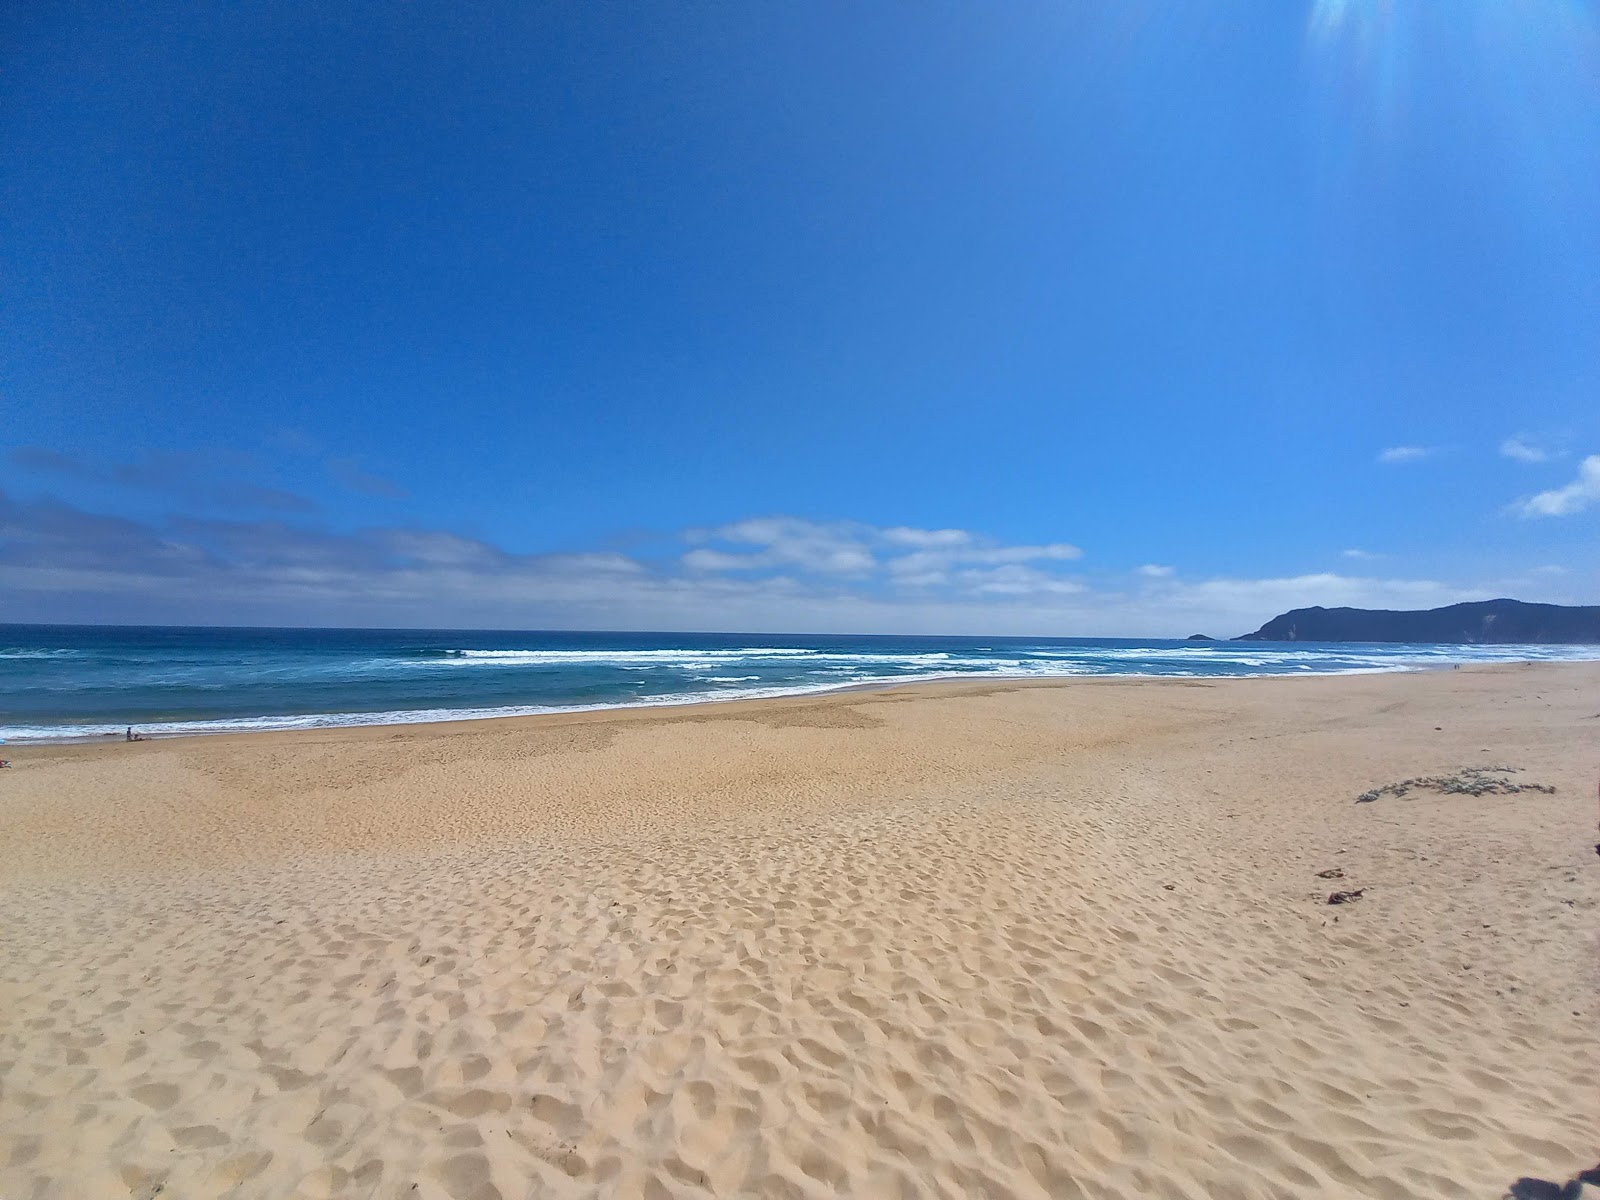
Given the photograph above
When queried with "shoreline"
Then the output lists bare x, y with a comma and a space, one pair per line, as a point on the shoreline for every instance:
711, 700
352, 721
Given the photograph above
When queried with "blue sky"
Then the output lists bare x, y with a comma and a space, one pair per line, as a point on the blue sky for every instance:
1040, 318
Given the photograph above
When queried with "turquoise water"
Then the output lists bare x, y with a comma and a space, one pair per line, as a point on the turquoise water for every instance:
81, 681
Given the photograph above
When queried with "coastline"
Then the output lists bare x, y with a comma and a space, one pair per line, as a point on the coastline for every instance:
286, 723
1033, 937
91, 685
337, 723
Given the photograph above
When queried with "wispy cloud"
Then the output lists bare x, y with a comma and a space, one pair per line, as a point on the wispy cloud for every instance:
1156, 571
348, 471
938, 564
1015, 579
61, 563
764, 543
1360, 555
1524, 450
1396, 455
354, 477
927, 539
904, 555
197, 479
1564, 501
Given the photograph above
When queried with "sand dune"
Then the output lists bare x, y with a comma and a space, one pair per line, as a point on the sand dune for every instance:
1043, 941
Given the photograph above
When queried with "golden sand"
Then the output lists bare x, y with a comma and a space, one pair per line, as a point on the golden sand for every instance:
1037, 941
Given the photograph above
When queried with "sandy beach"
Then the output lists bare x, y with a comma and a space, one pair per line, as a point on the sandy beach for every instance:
1045, 940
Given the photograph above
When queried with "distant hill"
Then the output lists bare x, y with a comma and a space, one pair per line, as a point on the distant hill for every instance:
1483, 621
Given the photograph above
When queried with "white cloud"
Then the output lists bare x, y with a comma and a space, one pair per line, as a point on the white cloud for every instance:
1156, 571
1014, 579
913, 557
1360, 555
1523, 450
703, 559
927, 539
926, 578
1404, 454
63, 564
925, 568
1054, 551
1564, 501
831, 548
439, 549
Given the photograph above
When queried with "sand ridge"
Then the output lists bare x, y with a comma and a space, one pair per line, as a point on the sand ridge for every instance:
948, 941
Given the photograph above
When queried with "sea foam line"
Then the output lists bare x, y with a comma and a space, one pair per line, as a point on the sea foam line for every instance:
26, 734
670, 658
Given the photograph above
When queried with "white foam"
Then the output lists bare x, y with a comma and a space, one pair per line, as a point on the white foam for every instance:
636, 660
56, 733
418, 716
600, 656
826, 671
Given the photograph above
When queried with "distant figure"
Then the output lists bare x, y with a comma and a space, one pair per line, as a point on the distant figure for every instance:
129, 734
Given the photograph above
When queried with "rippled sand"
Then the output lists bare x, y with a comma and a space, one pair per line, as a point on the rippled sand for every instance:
1051, 940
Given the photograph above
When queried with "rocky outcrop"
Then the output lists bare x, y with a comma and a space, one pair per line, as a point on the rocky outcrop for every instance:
1480, 622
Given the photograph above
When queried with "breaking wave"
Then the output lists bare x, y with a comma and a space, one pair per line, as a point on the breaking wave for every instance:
90, 683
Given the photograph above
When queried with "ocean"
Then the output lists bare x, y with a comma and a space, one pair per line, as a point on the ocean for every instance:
77, 682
